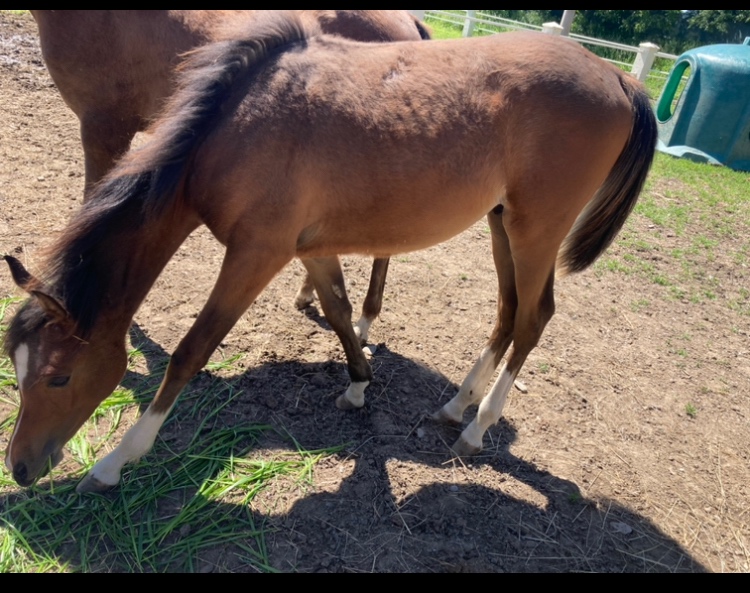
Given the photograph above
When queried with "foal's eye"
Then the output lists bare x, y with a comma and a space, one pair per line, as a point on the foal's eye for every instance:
58, 382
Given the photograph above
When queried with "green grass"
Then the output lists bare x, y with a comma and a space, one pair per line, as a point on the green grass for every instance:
175, 506
576, 498
442, 30
688, 235
640, 305
445, 30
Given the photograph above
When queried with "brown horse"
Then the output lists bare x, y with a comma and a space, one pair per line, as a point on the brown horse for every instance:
115, 68
286, 143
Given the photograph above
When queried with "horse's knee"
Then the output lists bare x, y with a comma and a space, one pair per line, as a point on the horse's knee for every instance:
182, 366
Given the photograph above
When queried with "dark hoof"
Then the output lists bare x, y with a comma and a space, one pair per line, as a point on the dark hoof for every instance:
442, 418
463, 449
344, 404
91, 484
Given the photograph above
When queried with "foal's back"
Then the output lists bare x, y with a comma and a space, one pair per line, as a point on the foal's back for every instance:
411, 135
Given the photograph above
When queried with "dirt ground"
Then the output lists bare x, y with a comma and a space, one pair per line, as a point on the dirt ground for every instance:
597, 468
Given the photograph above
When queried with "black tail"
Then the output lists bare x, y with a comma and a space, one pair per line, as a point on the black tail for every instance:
605, 215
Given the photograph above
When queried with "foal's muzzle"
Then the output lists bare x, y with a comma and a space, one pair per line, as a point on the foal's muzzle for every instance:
21, 475
24, 478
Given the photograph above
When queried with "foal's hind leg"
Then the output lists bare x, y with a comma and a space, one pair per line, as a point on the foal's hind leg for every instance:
534, 283
328, 279
473, 387
306, 293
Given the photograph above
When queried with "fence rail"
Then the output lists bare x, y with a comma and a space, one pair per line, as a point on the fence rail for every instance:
477, 22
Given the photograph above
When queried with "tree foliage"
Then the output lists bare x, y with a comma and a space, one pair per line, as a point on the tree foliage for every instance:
672, 30
631, 26
720, 26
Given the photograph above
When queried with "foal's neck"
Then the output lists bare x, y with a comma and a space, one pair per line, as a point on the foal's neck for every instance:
141, 256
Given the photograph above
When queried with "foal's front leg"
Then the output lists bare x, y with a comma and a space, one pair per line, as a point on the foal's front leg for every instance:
244, 273
328, 279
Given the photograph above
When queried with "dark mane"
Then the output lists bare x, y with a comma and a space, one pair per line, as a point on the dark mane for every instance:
144, 184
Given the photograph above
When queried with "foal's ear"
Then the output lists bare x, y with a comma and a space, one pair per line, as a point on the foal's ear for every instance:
53, 308
21, 275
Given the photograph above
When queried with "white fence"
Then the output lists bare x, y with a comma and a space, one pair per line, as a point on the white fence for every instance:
478, 22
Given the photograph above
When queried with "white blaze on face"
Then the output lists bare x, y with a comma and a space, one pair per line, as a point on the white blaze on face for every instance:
21, 361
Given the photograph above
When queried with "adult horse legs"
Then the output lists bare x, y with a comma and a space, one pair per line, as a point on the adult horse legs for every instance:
328, 279
105, 139
373, 301
244, 274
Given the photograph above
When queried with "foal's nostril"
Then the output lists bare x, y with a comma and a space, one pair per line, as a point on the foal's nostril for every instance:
21, 474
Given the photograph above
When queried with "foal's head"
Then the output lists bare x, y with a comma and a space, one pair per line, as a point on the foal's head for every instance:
62, 377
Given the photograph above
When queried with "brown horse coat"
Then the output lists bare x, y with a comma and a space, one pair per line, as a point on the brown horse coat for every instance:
115, 68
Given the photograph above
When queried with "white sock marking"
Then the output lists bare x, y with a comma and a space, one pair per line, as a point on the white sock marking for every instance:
490, 409
362, 329
472, 389
134, 445
355, 395
305, 296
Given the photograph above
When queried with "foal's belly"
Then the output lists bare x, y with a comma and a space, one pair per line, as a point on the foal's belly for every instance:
407, 224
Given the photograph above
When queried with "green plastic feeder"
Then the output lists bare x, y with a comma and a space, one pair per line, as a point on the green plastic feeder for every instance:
708, 119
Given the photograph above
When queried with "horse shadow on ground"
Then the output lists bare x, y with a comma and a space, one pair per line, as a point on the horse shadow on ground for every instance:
367, 524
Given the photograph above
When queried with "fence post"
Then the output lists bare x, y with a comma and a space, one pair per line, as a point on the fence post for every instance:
419, 14
567, 21
644, 61
469, 22
552, 29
